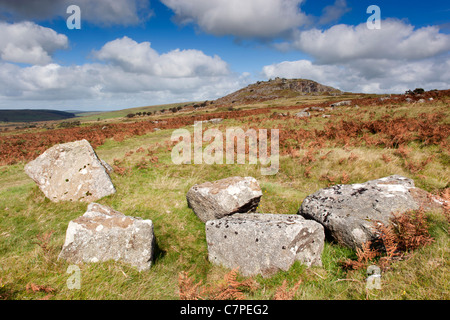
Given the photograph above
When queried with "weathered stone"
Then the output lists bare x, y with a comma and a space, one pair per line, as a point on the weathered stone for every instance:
349, 212
215, 200
341, 103
71, 172
103, 234
107, 166
264, 243
216, 120
302, 114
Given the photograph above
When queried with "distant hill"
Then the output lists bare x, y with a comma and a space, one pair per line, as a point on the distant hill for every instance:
277, 89
27, 115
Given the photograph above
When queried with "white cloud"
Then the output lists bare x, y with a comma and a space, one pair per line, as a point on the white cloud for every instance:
305, 69
136, 75
369, 76
141, 58
27, 42
99, 12
395, 40
395, 58
103, 87
243, 19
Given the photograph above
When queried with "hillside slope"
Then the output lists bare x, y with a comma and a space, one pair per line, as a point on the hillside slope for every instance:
27, 115
276, 89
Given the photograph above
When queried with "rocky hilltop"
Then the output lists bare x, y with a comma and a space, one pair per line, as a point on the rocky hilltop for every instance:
276, 89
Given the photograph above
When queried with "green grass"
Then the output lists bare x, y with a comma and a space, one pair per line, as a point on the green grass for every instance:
159, 193
115, 115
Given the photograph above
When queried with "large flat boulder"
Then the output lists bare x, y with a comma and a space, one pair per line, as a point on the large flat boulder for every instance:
71, 172
349, 212
264, 243
103, 234
215, 200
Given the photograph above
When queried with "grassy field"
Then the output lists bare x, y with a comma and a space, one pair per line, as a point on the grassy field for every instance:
117, 115
150, 186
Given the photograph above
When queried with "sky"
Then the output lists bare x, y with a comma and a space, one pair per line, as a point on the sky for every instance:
133, 53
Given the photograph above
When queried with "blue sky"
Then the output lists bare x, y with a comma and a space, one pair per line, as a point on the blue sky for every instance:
131, 53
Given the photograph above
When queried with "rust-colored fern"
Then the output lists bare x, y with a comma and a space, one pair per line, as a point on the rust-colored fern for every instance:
386, 158
230, 288
283, 293
32, 287
188, 289
407, 231
364, 255
308, 157
307, 172
411, 230
345, 178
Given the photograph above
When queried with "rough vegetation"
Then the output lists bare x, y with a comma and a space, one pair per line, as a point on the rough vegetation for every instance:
373, 137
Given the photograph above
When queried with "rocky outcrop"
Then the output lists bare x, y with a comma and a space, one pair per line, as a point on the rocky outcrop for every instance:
264, 243
215, 200
103, 234
349, 212
276, 89
71, 172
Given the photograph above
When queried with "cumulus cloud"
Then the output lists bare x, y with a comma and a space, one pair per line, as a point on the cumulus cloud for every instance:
302, 69
242, 19
27, 42
142, 58
97, 86
395, 40
395, 58
368, 75
135, 75
100, 12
